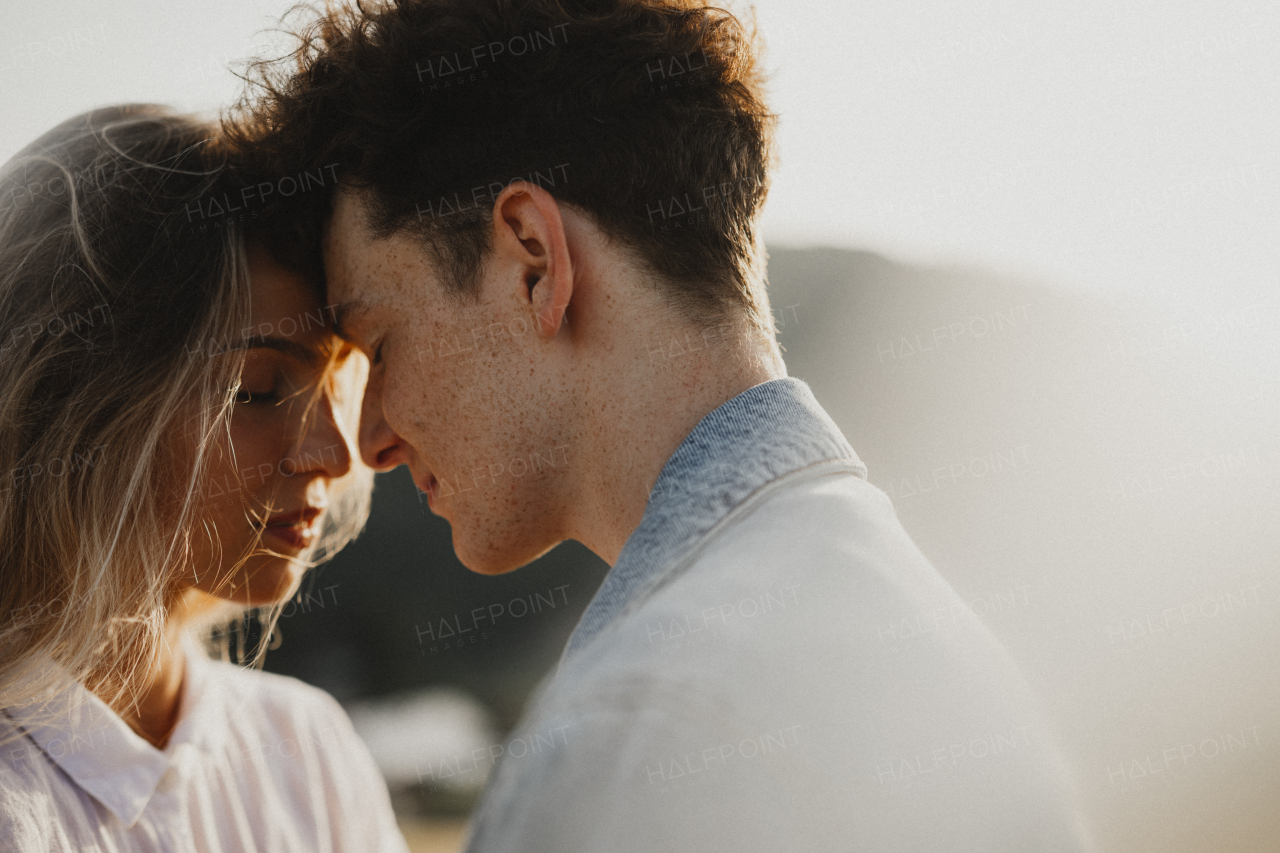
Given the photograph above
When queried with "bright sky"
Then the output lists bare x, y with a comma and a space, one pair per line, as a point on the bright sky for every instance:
1091, 144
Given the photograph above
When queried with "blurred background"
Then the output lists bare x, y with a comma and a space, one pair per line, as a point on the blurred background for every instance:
1027, 258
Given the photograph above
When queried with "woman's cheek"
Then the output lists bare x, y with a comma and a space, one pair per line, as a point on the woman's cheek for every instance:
256, 437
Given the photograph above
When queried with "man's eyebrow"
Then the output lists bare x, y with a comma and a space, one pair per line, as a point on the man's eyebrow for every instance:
305, 354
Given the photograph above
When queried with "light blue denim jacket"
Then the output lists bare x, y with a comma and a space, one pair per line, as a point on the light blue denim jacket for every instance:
745, 678
760, 435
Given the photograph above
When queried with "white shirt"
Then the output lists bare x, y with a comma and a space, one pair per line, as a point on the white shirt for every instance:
773, 665
257, 762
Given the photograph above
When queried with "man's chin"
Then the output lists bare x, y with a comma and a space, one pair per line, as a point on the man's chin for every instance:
486, 559
490, 569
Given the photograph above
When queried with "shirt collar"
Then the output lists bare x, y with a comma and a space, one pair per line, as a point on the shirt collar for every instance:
89, 742
764, 433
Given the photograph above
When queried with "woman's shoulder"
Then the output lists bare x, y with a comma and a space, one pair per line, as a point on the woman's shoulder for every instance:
33, 807
300, 737
268, 687
277, 706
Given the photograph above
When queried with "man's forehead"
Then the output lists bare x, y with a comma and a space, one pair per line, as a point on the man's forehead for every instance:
348, 222
351, 200
365, 271
344, 242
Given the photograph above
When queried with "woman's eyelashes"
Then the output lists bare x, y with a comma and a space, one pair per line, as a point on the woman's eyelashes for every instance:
245, 396
263, 385
260, 389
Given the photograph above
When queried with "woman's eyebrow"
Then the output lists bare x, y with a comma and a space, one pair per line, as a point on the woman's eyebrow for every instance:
307, 355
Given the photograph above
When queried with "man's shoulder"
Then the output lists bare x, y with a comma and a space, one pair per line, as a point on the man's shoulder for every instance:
765, 681
820, 548
825, 510
812, 575
811, 606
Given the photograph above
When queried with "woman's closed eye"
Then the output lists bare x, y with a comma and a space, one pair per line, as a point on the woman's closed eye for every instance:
265, 382
245, 396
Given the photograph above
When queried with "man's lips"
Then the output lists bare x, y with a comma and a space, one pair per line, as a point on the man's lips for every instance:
426, 482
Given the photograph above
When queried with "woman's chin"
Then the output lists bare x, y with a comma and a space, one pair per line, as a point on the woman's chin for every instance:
271, 581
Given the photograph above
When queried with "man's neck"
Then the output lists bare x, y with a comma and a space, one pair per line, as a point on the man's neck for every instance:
651, 412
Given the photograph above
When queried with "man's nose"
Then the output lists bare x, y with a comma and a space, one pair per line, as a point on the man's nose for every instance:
380, 447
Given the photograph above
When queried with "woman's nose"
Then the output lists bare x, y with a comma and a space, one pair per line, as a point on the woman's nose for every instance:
326, 447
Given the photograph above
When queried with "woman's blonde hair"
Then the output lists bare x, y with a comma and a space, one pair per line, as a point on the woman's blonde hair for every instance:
114, 290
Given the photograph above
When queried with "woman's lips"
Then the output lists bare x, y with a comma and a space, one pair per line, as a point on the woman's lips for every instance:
298, 530
297, 536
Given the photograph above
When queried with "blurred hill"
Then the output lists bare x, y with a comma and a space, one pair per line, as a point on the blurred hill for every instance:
1096, 478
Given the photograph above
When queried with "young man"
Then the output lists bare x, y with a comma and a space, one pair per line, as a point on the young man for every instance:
546, 241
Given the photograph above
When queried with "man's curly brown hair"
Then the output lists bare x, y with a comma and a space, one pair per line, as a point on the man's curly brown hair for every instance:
646, 114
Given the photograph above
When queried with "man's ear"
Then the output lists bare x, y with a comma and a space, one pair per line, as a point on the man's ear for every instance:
529, 231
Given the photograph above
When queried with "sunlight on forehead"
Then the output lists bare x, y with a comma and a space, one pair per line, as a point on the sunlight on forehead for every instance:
347, 316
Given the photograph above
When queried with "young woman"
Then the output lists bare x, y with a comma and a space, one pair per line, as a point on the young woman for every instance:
176, 428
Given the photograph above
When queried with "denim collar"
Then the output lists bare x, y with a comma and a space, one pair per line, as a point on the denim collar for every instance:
764, 433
